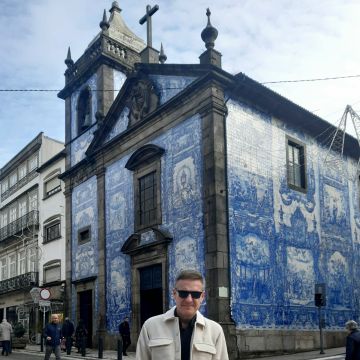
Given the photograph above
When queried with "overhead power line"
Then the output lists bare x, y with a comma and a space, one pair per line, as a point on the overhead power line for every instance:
174, 88
308, 80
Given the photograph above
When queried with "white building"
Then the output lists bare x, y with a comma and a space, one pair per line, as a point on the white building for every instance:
30, 211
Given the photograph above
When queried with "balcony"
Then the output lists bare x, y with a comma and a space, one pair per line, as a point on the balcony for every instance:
25, 222
20, 282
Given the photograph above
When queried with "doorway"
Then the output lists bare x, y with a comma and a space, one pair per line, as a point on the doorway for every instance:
86, 313
151, 292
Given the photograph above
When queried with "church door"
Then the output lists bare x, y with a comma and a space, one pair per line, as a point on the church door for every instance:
151, 297
86, 306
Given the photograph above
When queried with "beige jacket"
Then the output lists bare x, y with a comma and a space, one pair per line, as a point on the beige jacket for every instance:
5, 331
160, 339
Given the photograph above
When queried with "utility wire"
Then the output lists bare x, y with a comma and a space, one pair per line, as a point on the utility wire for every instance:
308, 80
175, 88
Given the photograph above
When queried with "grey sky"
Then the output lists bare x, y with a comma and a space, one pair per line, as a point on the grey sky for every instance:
266, 40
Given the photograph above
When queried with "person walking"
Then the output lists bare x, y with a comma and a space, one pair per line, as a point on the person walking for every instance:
53, 336
5, 336
67, 331
183, 332
124, 330
80, 337
352, 341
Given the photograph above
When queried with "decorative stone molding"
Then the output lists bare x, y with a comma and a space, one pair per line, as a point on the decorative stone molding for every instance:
134, 244
142, 101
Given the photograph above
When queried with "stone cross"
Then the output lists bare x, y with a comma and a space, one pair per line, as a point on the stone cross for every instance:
147, 18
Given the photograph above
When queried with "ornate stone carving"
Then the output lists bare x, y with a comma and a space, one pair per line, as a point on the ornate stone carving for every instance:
142, 101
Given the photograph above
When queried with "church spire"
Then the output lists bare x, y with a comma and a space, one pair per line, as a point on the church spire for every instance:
104, 24
162, 56
68, 61
209, 35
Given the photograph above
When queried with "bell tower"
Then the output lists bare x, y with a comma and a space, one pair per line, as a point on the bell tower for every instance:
93, 81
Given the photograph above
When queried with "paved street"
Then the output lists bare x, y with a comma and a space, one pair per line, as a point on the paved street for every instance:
32, 352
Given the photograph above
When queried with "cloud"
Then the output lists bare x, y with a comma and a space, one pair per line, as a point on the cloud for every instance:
267, 40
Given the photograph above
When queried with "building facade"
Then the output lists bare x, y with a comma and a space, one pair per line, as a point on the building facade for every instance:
21, 232
188, 166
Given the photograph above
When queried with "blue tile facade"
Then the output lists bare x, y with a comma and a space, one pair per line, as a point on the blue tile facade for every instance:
284, 241
182, 214
169, 86
85, 214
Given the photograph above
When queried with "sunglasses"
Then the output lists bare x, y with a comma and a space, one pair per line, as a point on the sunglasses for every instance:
184, 294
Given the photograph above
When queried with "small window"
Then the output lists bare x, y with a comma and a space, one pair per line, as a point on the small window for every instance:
4, 270
147, 199
12, 265
22, 262
33, 201
146, 166
33, 259
52, 271
52, 186
4, 185
52, 231
33, 163
84, 235
296, 165
13, 179
22, 171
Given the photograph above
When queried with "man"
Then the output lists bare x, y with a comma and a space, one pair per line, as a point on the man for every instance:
52, 335
5, 336
352, 341
124, 330
67, 332
183, 333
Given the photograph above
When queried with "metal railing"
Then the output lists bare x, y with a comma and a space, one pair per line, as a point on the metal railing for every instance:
26, 221
19, 282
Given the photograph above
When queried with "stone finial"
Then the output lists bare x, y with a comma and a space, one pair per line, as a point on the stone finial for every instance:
68, 61
209, 34
115, 7
104, 24
162, 56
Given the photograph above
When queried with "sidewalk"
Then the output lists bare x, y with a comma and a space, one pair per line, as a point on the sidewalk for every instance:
112, 354
90, 353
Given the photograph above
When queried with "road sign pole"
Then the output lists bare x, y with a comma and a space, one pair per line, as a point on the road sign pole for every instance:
321, 324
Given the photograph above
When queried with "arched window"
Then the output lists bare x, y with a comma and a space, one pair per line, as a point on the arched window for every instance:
145, 164
84, 110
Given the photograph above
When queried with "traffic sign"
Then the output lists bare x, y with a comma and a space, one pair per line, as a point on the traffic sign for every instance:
45, 294
44, 303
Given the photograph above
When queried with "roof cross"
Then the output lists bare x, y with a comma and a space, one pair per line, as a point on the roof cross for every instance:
147, 18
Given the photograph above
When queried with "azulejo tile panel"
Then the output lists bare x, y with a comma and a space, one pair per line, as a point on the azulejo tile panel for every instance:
182, 214
284, 241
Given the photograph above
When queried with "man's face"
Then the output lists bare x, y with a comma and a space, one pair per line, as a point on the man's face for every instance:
54, 319
186, 307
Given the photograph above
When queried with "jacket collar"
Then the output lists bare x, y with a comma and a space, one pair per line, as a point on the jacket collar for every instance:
170, 315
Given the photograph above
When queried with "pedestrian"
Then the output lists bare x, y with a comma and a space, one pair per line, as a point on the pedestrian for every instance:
352, 341
80, 337
124, 330
67, 331
53, 336
183, 332
5, 336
